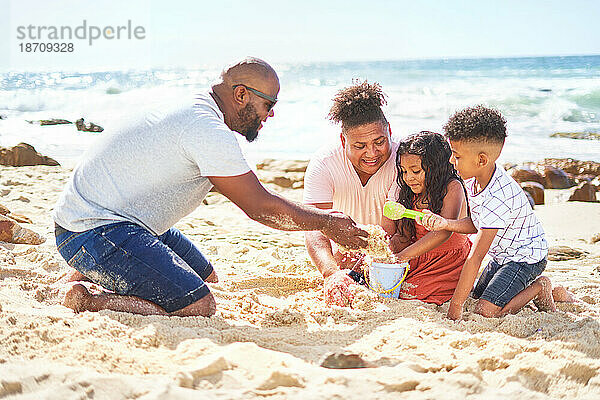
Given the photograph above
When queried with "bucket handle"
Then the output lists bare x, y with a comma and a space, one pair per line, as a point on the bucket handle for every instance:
392, 289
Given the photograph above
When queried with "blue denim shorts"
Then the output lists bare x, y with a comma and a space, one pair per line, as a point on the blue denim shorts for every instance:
127, 259
498, 284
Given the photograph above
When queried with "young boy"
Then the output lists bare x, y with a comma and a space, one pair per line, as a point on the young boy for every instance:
500, 214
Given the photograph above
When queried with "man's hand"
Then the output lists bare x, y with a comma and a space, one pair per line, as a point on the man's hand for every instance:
341, 229
455, 311
337, 289
433, 222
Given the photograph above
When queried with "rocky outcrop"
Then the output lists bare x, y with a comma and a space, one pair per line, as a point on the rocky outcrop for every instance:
24, 154
53, 121
526, 174
283, 173
87, 126
564, 253
571, 166
535, 190
290, 180
12, 232
555, 178
577, 135
16, 217
585, 191
270, 164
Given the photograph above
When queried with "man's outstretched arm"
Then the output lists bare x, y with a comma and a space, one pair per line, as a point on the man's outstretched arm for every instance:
277, 212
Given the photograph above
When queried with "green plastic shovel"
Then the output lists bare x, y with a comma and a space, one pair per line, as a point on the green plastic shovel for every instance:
394, 210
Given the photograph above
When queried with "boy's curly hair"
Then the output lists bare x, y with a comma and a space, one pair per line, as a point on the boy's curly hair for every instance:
358, 104
477, 123
435, 153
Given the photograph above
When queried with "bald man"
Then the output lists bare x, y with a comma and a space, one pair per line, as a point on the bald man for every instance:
114, 219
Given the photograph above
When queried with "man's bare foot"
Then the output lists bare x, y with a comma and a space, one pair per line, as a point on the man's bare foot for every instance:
78, 299
561, 294
544, 301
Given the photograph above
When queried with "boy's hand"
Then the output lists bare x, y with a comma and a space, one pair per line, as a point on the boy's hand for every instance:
455, 311
433, 222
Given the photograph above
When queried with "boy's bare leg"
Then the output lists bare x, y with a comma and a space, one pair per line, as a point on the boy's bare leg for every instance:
540, 291
79, 299
544, 301
561, 294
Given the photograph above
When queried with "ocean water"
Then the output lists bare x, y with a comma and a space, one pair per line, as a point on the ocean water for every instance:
538, 96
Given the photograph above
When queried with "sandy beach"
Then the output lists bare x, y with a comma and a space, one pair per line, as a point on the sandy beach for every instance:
272, 328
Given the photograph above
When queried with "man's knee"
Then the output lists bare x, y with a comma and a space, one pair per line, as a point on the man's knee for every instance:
205, 307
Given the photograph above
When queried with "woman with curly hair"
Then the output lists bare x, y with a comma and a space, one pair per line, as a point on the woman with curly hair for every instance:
353, 176
427, 180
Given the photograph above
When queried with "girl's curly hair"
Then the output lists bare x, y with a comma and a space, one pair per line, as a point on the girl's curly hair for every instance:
435, 154
358, 104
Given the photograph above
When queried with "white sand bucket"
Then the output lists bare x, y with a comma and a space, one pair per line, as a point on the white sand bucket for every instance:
386, 279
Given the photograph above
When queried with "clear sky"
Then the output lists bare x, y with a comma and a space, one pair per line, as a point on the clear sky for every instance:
189, 33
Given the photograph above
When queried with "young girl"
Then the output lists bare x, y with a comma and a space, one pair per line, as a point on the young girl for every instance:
426, 179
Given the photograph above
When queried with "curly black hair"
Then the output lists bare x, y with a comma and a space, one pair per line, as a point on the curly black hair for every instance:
435, 153
477, 123
358, 104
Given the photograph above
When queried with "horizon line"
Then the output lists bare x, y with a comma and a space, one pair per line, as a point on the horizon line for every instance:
287, 63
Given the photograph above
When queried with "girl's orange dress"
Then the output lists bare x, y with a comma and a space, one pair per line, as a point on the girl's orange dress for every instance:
433, 276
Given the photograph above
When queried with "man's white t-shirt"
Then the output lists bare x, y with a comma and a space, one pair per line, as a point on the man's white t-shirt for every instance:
503, 205
331, 178
152, 172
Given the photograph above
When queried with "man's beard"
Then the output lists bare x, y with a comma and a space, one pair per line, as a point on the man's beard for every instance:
249, 122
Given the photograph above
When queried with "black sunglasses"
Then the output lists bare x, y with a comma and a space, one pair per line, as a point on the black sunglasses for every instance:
265, 96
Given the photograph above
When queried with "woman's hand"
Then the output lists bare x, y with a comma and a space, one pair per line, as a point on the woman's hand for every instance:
336, 289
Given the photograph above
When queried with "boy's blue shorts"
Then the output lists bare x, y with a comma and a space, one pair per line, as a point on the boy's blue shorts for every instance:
127, 259
498, 284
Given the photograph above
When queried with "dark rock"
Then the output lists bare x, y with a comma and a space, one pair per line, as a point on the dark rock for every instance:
530, 199
577, 135
11, 232
583, 178
53, 121
344, 361
24, 154
87, 126
526, 174
293, 180
17, 217
556, 178
2, 116
563, 253
585, 191
572, 166
536, 190
270, 164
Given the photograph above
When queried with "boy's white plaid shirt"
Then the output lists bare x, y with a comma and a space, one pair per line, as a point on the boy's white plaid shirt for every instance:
502, 204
